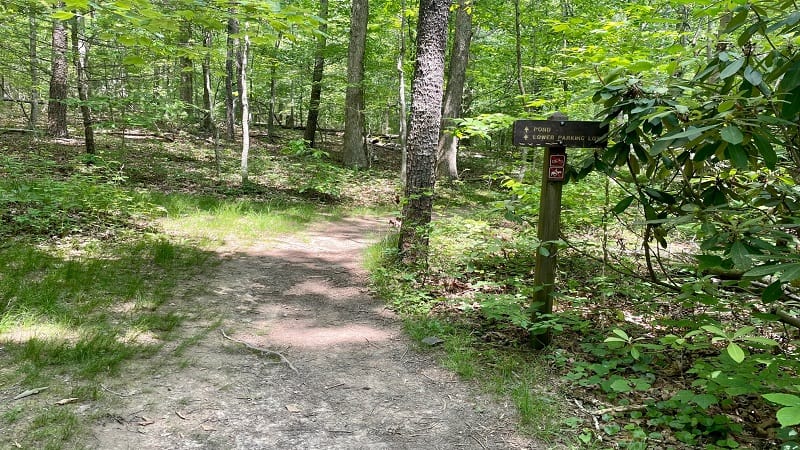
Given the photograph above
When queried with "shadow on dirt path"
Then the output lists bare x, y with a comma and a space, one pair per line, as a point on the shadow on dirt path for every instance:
359, 382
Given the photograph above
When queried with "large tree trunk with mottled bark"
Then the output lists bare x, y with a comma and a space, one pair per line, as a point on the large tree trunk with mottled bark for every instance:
316, 78
355, 147
423, 136
56, 105
459, 58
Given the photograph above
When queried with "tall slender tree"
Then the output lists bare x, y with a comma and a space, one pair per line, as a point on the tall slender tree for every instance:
355, 146
208, 117
273, 75
457, 75
80, 57
34, 69
230, 75
316, 78
245, 105
187, 69
426, 116
56, 105
401, 94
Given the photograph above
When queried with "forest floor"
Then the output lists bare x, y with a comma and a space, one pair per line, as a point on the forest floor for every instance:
290, 350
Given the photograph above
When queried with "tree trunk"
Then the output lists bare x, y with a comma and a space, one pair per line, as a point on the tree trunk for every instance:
355, 148
80, 58
316, 79
230, 74
520, 83
426, 117
239, 87
34, 60
459, 58
272, 90
208, 117
401, 75
56, 106
245, 107
187, 71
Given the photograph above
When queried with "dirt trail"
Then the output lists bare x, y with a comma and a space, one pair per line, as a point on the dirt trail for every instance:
359, 382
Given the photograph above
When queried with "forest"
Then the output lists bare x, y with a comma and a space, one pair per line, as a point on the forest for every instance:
139, 139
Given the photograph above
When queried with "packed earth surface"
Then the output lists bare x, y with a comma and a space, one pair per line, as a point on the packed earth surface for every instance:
288, 349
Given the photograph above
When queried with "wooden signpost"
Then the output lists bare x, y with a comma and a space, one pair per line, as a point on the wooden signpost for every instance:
555, 135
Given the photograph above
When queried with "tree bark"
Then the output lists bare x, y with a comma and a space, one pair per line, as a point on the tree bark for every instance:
272, 90
186, 90
56, 106
230, 76
80, 59
426, 117
459, 58
208, 117
245, 107
34, 73
355, 148
316, 79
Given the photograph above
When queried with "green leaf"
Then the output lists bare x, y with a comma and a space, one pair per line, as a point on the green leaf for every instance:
623, 204
766, 269
766, 151
660, 196
705, 400
773, 292
737, 20
691, 132
753, 76
740, 255
789, 416
761, 341
783, 399
735, 352
133, 60
621, 385
737, 156
732, 68
622, 334
635, 353
76, 4
63, 15
714, 330
732, 134
791, 273
744, 331
791, 79
792, 105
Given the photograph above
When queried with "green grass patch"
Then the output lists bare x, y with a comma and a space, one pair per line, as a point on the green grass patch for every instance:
215, 219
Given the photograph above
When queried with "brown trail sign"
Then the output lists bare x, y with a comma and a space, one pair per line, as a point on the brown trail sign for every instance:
555, 135
565, 133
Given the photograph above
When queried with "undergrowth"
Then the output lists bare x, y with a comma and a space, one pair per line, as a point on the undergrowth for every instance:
633, 364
